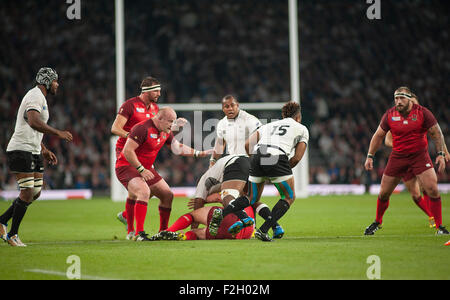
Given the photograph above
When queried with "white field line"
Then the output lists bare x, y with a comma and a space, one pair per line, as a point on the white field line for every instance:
57, 273
379, 236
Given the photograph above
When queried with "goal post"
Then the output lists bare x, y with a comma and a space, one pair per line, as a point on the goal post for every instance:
301, 173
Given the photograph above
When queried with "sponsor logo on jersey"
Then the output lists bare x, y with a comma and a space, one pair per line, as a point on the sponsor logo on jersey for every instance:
396, 118
140, 109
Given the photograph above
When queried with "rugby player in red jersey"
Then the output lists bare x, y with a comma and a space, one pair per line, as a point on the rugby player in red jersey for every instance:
203, 216
409, 123
134, 169
133, 111
412, 183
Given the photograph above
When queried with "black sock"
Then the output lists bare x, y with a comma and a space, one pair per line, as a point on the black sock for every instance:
7, 215
20, 208
265, 214
239, 204
277, 212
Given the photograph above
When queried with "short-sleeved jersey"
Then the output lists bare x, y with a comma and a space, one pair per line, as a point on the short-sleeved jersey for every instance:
215, 172
150, 141
135, 111
24, 137
409, 134
285, 134
236, 131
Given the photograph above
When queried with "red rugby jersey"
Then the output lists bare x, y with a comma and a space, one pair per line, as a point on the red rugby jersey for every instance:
246, 232
135, 111
409, 134
150, 141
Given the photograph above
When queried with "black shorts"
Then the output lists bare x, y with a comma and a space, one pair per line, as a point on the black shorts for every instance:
267, 165
237, 170
25, 162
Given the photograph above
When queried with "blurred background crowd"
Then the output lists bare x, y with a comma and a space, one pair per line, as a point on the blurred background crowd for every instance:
203, 50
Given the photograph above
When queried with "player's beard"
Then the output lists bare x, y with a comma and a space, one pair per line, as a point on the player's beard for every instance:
403, 109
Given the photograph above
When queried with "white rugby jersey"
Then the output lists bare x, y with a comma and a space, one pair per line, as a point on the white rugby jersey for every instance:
285, 134
236, 131
215, 172
24, 137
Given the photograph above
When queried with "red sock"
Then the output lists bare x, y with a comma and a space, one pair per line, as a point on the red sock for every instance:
190, 236
182, 222
423, 204
164, 215
129, 214
381, 208
140, 211
436, 210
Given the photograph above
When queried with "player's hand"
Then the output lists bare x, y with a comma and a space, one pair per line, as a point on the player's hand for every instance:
205, 153
368, 165
65, 135
440, 162
50, 157
180, 122
147, 175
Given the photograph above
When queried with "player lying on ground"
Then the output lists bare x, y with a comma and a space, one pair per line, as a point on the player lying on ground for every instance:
273, 144
229, 177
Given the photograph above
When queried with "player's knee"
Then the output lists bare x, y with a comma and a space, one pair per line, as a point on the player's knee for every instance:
38, 183
433, 192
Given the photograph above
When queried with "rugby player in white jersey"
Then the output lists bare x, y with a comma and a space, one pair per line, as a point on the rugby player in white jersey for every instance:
26, 153
232, 132
271, 146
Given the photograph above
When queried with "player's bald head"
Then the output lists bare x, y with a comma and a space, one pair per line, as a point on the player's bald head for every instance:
167, 113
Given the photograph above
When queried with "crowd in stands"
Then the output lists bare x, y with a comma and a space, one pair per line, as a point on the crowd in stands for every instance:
203, 50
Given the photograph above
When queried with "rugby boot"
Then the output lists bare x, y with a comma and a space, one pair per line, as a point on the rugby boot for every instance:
442, 230
4, 232
15, 241
216, 219
372, 228
142, 237
432, 223
278, 232
122, 219
263, 236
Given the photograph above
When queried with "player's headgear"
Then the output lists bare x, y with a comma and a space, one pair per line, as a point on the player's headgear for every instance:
46, 76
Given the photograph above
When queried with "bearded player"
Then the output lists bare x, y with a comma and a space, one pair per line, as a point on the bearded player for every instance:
409, 123
411, 182
132, 112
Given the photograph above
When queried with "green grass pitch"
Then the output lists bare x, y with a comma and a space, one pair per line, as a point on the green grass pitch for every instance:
324, 240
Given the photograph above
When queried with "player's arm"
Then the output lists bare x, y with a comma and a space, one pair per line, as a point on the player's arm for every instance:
375, 143
218, 150
35, 122
388, 141
129, 151
117, 126
250, 143
300, 149
184, 150
436, 135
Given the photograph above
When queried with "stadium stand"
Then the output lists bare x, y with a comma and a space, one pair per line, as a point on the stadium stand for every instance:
202, 50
